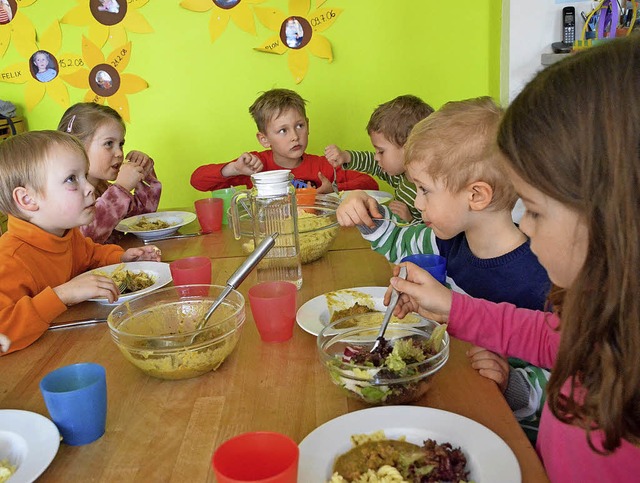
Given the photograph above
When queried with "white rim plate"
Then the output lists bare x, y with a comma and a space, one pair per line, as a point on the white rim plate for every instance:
489, 459
29, 440
314, 315
381, 197
175, 218
158, 270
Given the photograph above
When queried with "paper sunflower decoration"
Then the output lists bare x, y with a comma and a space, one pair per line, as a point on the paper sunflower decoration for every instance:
109, 20
223, 10
15, 25
298, 32
43, 69
104, 79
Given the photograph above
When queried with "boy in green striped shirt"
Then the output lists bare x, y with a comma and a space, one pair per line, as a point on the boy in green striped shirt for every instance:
388, 128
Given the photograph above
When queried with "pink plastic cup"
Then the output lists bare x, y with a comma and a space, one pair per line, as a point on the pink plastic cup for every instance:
209, 213
191, 271
262, 456
273, 305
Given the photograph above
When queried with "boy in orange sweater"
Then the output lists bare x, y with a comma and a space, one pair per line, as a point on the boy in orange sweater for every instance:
44, 259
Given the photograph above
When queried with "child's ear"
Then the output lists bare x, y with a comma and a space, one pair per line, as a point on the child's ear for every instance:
480, 195
23, 199
262, 139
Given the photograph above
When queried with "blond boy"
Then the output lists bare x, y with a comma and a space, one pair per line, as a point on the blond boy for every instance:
45, 261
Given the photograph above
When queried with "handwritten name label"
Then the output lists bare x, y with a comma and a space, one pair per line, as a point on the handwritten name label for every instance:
11, 75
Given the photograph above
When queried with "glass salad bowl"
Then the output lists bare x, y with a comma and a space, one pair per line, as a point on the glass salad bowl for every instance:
399, 373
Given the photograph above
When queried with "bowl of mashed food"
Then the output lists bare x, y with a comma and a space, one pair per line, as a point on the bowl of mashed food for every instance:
157, 332
399, 372
317, 227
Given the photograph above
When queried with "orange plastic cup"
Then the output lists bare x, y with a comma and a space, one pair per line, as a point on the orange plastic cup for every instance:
273, 305
306, 196
258, 457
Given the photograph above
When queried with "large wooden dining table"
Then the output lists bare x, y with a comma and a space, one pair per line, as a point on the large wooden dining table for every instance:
160, 430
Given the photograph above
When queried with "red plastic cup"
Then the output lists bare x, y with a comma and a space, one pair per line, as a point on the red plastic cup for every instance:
191, 271
209, 213
273, 305
261, 456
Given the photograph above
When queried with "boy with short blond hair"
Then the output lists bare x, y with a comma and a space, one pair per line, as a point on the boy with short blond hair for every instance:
44, 258
283, 128
388, 127
466, 198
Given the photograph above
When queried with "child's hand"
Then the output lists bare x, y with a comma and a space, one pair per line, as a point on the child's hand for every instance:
5, 343
490, 365
141, 159
325, 187
147, 252
129, 176
358, 208
420, 292
86, 286
247, 164
401, 210
336, 156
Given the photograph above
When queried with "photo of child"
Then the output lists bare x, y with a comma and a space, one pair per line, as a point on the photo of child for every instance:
44, 67
6, 12
294, 33
103, 79
111, 6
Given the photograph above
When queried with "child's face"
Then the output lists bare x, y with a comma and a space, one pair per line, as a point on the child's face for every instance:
68, 198
559, 236
445, 212
389, 156
105, 151
287, 136
41, 62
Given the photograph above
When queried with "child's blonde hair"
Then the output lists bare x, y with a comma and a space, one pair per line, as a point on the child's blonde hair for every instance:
273, 103
83, 119
395, 119
457, 145
23, 159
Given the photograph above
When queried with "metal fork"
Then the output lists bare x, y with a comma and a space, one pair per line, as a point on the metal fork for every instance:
334, 183
395, 295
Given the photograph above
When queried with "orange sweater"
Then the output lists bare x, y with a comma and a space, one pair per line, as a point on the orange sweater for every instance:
32, 263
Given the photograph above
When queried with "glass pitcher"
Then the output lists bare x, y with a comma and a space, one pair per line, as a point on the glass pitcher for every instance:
271, 207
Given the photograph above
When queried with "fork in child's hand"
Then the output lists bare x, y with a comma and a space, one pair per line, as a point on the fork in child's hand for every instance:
334, 183
398, 223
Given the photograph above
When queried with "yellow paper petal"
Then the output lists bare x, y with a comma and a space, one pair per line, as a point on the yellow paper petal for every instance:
16, 73
68, 63
5, 38
57, 90
120, 103
197, 5
298, 64
51, 39
120, 57
273, 45
117, 36
134, 21
91, 96
299, 8
79, 15
242, 16
33, 93
91, 54
218, 23
320, 47
23, 35
79, 78
323, 18
137, 3
98, 33
271, 18
130, 84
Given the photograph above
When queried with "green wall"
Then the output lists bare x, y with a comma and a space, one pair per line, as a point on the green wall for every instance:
195, 110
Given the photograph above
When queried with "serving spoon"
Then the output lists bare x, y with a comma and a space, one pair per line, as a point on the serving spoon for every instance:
395, 295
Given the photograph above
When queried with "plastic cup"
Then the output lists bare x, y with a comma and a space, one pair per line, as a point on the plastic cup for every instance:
191, 271
76, 398
225, 195
306, 196
209, 213
273, 305
434, 264
261, 456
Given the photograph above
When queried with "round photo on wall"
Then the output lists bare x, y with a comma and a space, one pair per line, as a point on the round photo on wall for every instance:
295, 32
108, 12
104, 80
226, 4
8, 10
43, 66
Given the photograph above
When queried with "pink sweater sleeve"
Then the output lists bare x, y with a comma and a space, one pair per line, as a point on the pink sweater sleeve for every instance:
530, 335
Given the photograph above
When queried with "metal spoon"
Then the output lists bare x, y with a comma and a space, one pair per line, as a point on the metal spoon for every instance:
395, 295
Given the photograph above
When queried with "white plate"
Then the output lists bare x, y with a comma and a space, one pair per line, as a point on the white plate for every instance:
175, 218
158, 270
29, 441
489, 459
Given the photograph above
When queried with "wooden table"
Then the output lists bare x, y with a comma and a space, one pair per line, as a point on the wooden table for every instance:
167, 430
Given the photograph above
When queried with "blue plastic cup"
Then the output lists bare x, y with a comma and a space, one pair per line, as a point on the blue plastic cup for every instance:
434, 264
76, 397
